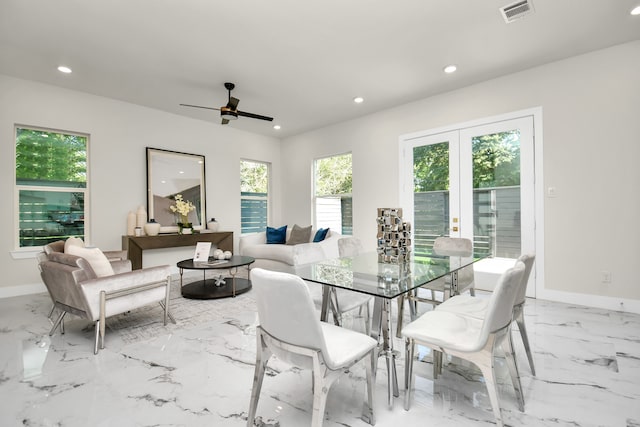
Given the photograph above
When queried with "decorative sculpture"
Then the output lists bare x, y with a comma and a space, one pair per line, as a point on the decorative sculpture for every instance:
394, 236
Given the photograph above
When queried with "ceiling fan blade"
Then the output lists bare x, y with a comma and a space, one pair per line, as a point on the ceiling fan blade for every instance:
233, 103
254, 116
199, 106
225, 121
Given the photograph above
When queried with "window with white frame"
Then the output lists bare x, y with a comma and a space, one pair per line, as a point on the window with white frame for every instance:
332, 193
51, 185
254, 196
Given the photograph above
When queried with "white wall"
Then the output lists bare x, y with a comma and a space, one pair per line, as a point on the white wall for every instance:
591, 133
119, 133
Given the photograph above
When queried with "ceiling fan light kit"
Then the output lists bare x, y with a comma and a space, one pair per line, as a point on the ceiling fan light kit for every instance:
230, 111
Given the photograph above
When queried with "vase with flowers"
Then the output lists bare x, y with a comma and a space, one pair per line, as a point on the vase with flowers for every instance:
182, 208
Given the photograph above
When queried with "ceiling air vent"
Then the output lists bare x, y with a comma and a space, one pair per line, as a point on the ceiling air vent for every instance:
516, 10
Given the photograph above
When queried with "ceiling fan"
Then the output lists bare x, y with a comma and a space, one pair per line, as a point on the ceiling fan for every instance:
230, 111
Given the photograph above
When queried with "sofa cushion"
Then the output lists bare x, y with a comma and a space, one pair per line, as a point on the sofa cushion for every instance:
277, 235
321, 234
73, 241
97, 260
299, 235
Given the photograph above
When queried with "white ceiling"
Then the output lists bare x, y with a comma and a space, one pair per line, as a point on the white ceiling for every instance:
300, 62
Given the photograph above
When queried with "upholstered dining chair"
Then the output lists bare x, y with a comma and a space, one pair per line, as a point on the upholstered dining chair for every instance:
290, 329
470, 338
78, 285
456, 246
343, 301
477, 307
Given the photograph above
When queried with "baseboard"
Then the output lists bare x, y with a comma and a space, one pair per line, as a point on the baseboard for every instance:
595, 301
16, 291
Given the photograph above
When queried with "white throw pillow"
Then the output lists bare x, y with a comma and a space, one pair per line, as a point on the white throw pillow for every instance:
73, 241
94, 256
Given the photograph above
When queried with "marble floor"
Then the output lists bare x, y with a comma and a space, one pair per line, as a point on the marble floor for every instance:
199, 373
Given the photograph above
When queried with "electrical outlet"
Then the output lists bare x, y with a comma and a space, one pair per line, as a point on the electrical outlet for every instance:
606, 276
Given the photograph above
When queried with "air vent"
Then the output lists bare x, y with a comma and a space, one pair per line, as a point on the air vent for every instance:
517, 10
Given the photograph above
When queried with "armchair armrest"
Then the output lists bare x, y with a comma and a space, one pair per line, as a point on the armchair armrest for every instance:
121, 266
142, 287
115, 255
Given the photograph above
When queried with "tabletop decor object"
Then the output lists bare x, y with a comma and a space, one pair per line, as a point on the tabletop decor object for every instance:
182, 208
394, 236
152, 228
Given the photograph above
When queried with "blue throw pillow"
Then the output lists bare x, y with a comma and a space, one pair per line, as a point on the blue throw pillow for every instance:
277, 235
320, 235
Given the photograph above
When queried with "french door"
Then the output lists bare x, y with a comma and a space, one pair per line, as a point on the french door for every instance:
478, 183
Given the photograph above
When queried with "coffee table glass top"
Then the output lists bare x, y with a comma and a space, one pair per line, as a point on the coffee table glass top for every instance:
234, 261
363, 273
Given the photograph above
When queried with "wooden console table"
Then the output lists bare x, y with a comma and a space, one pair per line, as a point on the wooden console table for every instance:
134, 245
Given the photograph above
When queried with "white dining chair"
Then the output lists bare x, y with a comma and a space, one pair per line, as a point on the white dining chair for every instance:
290, 329
477, 307
452, 246
341, 300
470, 338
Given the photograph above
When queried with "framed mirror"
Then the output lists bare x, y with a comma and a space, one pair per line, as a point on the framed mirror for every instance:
170, 173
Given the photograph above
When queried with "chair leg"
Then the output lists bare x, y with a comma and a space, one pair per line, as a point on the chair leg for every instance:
165, 306
408, 372
519, 318
507, 347
367, 319
485, 362
320, 392
168, 314
53, 307
97, 340
335, 307
261, 363
436, 355
59, 321
368, 414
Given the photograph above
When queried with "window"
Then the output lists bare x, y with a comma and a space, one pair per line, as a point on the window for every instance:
51, 184
332, 194
254, 196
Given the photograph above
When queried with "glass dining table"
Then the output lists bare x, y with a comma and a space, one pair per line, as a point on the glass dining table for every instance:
384, 281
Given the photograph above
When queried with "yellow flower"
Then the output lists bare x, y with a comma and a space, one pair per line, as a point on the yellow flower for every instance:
183, 207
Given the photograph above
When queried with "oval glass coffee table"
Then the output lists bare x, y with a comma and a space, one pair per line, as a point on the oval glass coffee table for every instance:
219, 286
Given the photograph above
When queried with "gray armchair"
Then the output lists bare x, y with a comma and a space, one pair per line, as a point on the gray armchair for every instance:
75, 288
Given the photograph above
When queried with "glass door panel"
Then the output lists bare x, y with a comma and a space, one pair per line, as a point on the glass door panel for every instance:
433, 160
497, 194
478, 183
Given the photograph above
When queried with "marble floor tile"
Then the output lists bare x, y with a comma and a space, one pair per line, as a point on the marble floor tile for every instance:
199, 372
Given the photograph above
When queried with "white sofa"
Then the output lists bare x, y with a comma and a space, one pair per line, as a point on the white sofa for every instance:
283, 257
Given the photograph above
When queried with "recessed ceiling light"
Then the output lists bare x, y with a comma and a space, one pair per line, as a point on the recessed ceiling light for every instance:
358, 100
450, 69
64, 69
276, 127
181, 172
635, 10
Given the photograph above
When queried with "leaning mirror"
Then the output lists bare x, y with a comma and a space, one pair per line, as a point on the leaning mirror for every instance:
170, 173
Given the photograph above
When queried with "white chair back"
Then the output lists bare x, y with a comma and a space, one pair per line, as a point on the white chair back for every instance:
528, 260
349, 247
453, 246
500, 308
287, 312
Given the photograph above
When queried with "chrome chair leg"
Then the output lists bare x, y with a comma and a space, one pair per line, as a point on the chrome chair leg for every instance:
519, 318
507, 347
59, 322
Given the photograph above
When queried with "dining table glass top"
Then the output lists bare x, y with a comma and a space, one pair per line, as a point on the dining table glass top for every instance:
363, 273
